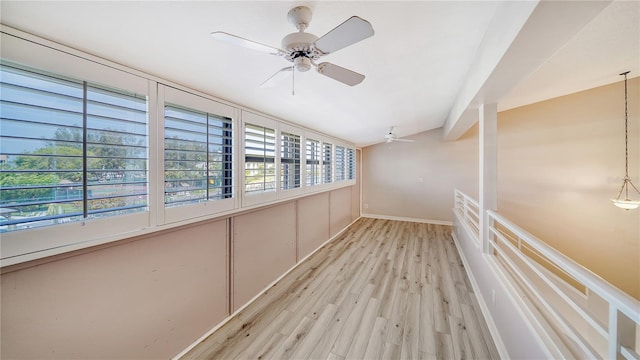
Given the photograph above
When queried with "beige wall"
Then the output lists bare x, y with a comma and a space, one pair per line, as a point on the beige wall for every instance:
313, 218
150, 297
559, 163
264, 247
392, 174
132, 300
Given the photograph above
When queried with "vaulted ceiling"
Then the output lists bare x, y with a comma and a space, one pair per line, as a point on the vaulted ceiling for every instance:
428, 64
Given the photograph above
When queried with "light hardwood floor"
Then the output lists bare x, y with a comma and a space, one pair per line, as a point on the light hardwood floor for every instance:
383, 290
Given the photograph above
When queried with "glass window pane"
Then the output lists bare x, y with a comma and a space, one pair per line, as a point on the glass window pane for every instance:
44, 142
198, 156
289, 161
327, 165
351, 164
116, 152
340, 163
313, 162
260, 167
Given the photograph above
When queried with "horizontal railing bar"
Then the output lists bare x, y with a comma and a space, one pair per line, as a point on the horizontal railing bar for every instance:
547, 261
620, 300
598, 327
629, 354
569, 330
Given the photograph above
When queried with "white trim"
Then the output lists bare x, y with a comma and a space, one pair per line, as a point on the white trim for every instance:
294, 130
515, 302
402, 218
181, 98
268, 287
486, 314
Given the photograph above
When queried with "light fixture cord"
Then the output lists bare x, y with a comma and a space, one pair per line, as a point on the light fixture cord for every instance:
626, 136
626, 130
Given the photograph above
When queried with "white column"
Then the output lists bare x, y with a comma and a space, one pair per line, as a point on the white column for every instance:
488, 194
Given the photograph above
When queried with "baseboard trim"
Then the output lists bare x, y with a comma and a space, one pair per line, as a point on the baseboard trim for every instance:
228, 318
401, 218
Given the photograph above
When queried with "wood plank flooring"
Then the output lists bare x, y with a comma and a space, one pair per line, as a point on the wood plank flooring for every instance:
383, 290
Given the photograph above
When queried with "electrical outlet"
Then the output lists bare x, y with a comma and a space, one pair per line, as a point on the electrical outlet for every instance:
366, 206
493, 297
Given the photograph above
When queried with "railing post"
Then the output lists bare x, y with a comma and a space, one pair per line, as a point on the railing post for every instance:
622, 332
488, 196
490, 236
465, 206
614, 345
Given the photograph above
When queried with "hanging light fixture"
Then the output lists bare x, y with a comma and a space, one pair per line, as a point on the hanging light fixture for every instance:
626, 203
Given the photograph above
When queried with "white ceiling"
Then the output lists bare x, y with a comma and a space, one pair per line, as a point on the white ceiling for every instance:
416, 63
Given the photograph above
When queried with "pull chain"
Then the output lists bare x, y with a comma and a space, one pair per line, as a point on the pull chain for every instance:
293, 81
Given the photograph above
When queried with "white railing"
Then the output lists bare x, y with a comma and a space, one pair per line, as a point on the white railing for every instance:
469, 210
592, 318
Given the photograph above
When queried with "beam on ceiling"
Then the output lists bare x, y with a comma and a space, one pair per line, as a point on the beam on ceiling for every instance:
520, 39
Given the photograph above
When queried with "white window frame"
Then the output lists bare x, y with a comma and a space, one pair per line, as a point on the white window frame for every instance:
353, 169
287, 193
262, 197
37, 242
170, 95
340, 169
48, 56
332, 162
315, 137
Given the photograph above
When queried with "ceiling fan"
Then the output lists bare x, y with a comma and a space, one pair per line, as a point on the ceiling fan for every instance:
391, 137
304, 49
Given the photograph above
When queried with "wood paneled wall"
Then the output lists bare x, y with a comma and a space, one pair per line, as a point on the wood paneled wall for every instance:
152, 296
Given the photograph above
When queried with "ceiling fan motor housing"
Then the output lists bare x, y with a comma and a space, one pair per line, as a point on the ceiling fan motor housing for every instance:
299, 50
298, 41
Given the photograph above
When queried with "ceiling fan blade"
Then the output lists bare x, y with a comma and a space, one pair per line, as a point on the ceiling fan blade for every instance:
403, 140
240, 41
339, 73
349, 32
277, 77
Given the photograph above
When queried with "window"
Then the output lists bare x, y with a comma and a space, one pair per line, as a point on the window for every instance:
327, 165
313, 162
341, 171
77, 143
351, 164
69, 150
198, 157
289, 161
260, 167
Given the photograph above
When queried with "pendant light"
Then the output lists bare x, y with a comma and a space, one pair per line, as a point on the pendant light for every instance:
626, 203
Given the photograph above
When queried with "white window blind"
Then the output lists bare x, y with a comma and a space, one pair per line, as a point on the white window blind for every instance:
313, 162
351, 164
327, 163
260, 167
198, 156
341, 163
69, 150
289, 161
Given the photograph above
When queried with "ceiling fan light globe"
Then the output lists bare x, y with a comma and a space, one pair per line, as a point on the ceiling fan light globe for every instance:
302, 64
